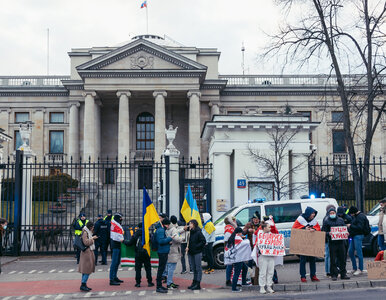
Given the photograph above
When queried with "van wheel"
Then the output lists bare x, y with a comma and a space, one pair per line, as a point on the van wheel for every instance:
374, 246
218, 256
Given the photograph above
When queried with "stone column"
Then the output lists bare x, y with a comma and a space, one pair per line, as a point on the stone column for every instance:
37, 135
159, 120
4, 123
89, 127
214, 109
194, 125
123, 126
73, 135
97, 112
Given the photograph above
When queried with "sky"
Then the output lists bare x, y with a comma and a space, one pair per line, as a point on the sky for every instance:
221, 24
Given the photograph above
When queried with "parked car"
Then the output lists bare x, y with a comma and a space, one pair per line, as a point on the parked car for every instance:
285, 213
370, 242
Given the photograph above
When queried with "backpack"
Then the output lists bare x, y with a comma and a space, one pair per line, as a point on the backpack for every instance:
153, 240
367, 228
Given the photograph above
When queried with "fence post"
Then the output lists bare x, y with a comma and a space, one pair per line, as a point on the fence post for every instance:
17, 203
167, 183
361, 196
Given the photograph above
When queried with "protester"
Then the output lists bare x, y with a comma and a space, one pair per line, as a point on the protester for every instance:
266, 266
271, 222
141, 257
228, 230
107, 220
174, 253
209, 232
358, 230
185, 237
237, 251
336, 248
307, 221
194, 248
326, 246
102, 231
78, 227
87, 257
163, 248
340, 212
3, 227
116, 236
381, 221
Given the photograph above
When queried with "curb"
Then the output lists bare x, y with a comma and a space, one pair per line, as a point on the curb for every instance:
5, 260
323, 286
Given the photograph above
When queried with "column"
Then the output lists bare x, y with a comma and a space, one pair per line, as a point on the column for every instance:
89, 127
4, 123
221, 182
214, 109
159, 120
194, 125
73, 135
37, 135
123, 126
97, 111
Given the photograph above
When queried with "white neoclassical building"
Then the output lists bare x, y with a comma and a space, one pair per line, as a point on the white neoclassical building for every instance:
118, 100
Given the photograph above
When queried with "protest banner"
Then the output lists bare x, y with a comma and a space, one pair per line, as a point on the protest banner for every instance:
270, 244
376, 269
128, 257
339, 233
308, 243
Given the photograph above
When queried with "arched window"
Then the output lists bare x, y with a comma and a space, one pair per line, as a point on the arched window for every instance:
145, 131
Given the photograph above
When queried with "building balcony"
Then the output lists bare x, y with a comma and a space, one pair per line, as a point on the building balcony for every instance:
56, 157
142, 154
340, 157
37, 81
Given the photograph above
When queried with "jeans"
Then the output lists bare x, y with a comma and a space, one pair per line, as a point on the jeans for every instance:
381, 242
327, 258
266, 270
103, 250
238, 266
171, 267
162, 260
183, 262
209, 255
337, 256
142, 258
303, 260
115, 261
196, 264
85, 278
356, 245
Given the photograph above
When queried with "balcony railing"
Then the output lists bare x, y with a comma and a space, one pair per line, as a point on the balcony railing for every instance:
55, 157
142, 154
32, 80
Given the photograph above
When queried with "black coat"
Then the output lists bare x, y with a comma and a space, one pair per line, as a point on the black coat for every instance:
102, 230
197, 241
328, 223
136, 240
358, 224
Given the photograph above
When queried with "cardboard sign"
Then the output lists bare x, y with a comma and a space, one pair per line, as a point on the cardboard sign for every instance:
222, 205
306, 242
271, 244
339, 233
376, 270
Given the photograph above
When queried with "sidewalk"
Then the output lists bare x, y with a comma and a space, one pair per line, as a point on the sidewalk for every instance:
8, 259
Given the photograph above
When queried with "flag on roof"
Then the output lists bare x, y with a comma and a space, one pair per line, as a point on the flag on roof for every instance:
144, 4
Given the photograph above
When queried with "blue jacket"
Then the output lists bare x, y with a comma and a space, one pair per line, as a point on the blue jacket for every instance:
162, 240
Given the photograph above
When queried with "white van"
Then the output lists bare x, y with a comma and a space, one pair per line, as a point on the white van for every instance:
370, 242
284, 212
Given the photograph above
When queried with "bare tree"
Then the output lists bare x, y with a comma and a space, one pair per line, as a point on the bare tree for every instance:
276, 162
351, 35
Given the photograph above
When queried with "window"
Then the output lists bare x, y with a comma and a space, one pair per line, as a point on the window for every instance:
145, 131
109, 176
56, 117
337, 116
341, 172
145, 177
56, 142
284, 212
269, 112
338, 141
308, 115
234, 113
17, 140
21, 117
245, 215
261, 190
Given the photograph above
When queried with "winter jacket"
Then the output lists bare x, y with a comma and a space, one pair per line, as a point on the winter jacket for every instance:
102, 230
196, 242
210, 238
358, 224
136, 241
304, 221
328, 223
162, 240
175, 248
341, 213
87, 257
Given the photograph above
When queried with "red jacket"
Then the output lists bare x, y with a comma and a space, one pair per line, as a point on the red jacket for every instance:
380, 256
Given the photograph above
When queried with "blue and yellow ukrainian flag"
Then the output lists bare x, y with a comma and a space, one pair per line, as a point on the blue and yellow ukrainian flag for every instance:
189, 208
149, 217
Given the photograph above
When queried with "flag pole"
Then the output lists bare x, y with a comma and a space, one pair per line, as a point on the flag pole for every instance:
147, 21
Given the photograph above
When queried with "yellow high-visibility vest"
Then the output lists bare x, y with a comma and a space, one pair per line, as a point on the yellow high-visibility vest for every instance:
79, 232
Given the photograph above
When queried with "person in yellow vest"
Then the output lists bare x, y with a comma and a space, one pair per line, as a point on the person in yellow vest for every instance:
78, 226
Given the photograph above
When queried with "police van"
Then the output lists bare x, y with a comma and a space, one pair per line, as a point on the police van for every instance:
284, 212
370, 242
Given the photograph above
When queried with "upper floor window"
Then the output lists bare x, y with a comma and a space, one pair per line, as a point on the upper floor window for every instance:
338, 141
21, 117
306, 114
145, 131
337, 116
234, 112
56, 141
56, 117
269, 112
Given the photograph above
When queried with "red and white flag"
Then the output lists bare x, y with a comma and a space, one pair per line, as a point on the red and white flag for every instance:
241, 251
116, 231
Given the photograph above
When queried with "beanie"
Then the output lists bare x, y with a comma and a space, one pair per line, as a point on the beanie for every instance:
353, 210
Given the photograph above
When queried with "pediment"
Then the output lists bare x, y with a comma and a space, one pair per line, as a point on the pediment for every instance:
141, 54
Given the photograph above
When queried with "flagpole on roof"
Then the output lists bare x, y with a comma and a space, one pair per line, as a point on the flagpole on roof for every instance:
147, 21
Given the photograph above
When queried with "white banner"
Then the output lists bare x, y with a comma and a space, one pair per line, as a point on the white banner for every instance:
339, 233
271, 244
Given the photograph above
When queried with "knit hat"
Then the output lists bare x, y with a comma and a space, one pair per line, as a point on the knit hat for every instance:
331, 209
353, 210
109, 212
82, 215
340, 210
329, 206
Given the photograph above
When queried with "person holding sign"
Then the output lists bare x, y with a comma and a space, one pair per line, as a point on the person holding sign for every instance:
336, 235
307, 221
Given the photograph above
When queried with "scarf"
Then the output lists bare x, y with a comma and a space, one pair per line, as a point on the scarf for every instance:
89, 236
116, 231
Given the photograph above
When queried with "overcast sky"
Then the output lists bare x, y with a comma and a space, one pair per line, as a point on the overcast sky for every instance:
221, 24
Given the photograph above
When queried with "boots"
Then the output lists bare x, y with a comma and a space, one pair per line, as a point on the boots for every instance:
84, 288
196, 287
192, 285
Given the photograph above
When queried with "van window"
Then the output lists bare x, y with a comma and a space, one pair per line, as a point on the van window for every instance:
284, 212
224, 215
245, 215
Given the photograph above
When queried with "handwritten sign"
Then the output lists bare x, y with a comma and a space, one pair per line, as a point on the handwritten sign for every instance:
339, 233
271, 244
308, 243
222, 205
376, 270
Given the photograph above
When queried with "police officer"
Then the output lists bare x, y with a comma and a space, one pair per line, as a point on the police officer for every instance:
102, 231
78, 226
107, 220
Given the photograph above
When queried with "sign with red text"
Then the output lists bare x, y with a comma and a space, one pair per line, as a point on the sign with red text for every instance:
270, 244
339, 233
376, 269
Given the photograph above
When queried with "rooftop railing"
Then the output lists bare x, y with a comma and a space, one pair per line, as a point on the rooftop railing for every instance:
32, 80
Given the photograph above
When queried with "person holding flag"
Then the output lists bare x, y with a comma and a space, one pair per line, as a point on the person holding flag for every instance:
116, 236
209, 232
189, 209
